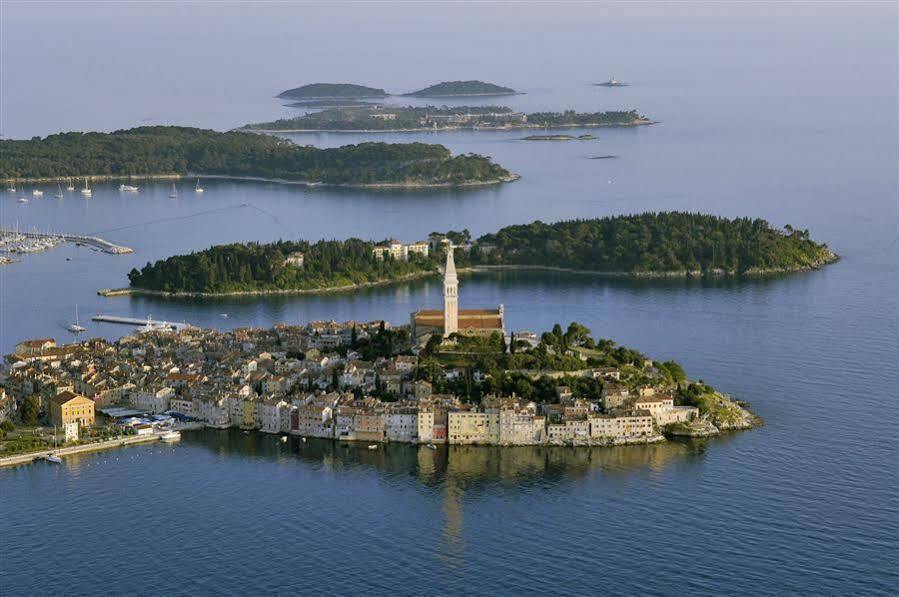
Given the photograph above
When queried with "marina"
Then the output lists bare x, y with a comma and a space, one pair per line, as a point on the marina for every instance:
17, 241
146, 324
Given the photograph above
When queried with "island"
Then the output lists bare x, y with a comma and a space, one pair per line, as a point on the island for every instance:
354, 381
462, 89
558, 138
170, 151
430, 118
319, 91
666, 244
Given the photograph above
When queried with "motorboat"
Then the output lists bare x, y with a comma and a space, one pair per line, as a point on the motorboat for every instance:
127, 188
432, 447
372, 446
170, 436
23, 199
53, 458
37, 193
283, 439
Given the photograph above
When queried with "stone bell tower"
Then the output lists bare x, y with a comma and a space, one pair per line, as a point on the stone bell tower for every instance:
450, 295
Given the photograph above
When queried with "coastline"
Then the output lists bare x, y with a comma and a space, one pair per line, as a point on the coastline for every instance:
753, 273
633, 123
372, 185
29, 457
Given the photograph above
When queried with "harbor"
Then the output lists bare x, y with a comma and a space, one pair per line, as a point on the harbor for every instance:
145, 324
17, 241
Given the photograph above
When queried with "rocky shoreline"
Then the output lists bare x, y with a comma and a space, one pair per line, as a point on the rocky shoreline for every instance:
680, 274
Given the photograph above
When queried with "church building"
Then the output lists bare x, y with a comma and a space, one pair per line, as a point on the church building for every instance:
451, 319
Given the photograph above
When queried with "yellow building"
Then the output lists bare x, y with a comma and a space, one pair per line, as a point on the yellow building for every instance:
68, 407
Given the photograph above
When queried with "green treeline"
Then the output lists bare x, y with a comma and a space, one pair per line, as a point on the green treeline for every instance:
637, 244
462, 88
242, 267
183, 150
653, 242
332, 90
572, 118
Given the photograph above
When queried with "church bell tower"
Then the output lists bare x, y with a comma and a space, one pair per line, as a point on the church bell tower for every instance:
450, 295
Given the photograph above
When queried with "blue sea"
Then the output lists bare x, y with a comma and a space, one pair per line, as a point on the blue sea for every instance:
786, 113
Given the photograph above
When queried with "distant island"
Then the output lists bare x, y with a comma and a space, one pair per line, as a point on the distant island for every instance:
168, 151
462, 89
558, 138
332, 91
644, 245
428, 118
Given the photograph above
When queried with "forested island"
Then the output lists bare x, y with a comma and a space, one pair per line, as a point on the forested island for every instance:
178, 151
317, 91
426, 118
649, 244
462, 89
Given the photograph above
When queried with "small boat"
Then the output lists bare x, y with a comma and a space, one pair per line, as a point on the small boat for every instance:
372, 446
86, 191
170, 436
127, 188
23, 199
225, 315
432, 447
283, 439
246, 433
37, 193
198, 189
59, 194
304, 440
11, 188
53, 458
70, 186
174, 193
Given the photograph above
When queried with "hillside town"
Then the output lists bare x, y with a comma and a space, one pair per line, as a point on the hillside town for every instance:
308, 381
451, 376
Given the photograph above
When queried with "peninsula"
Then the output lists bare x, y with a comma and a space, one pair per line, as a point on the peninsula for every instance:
168, 151
321, 91
666, 244
462, 89
428, 118
355, 381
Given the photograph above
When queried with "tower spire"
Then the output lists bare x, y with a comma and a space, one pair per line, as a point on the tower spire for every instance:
450, 294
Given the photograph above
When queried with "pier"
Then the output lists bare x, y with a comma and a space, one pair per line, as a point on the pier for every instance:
88, 241
147, 323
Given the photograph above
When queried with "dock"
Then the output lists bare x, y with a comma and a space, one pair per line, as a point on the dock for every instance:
88, 241
147, 323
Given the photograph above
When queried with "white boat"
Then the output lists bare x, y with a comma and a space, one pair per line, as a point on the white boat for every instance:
76, 327
170, 436
53, 458
304, 440
174, 193
37, 193
199, 189
59, 194
432, 447
11, 188
127, 188
372, 446
70, 186
23, 199
86, 191
283, 439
